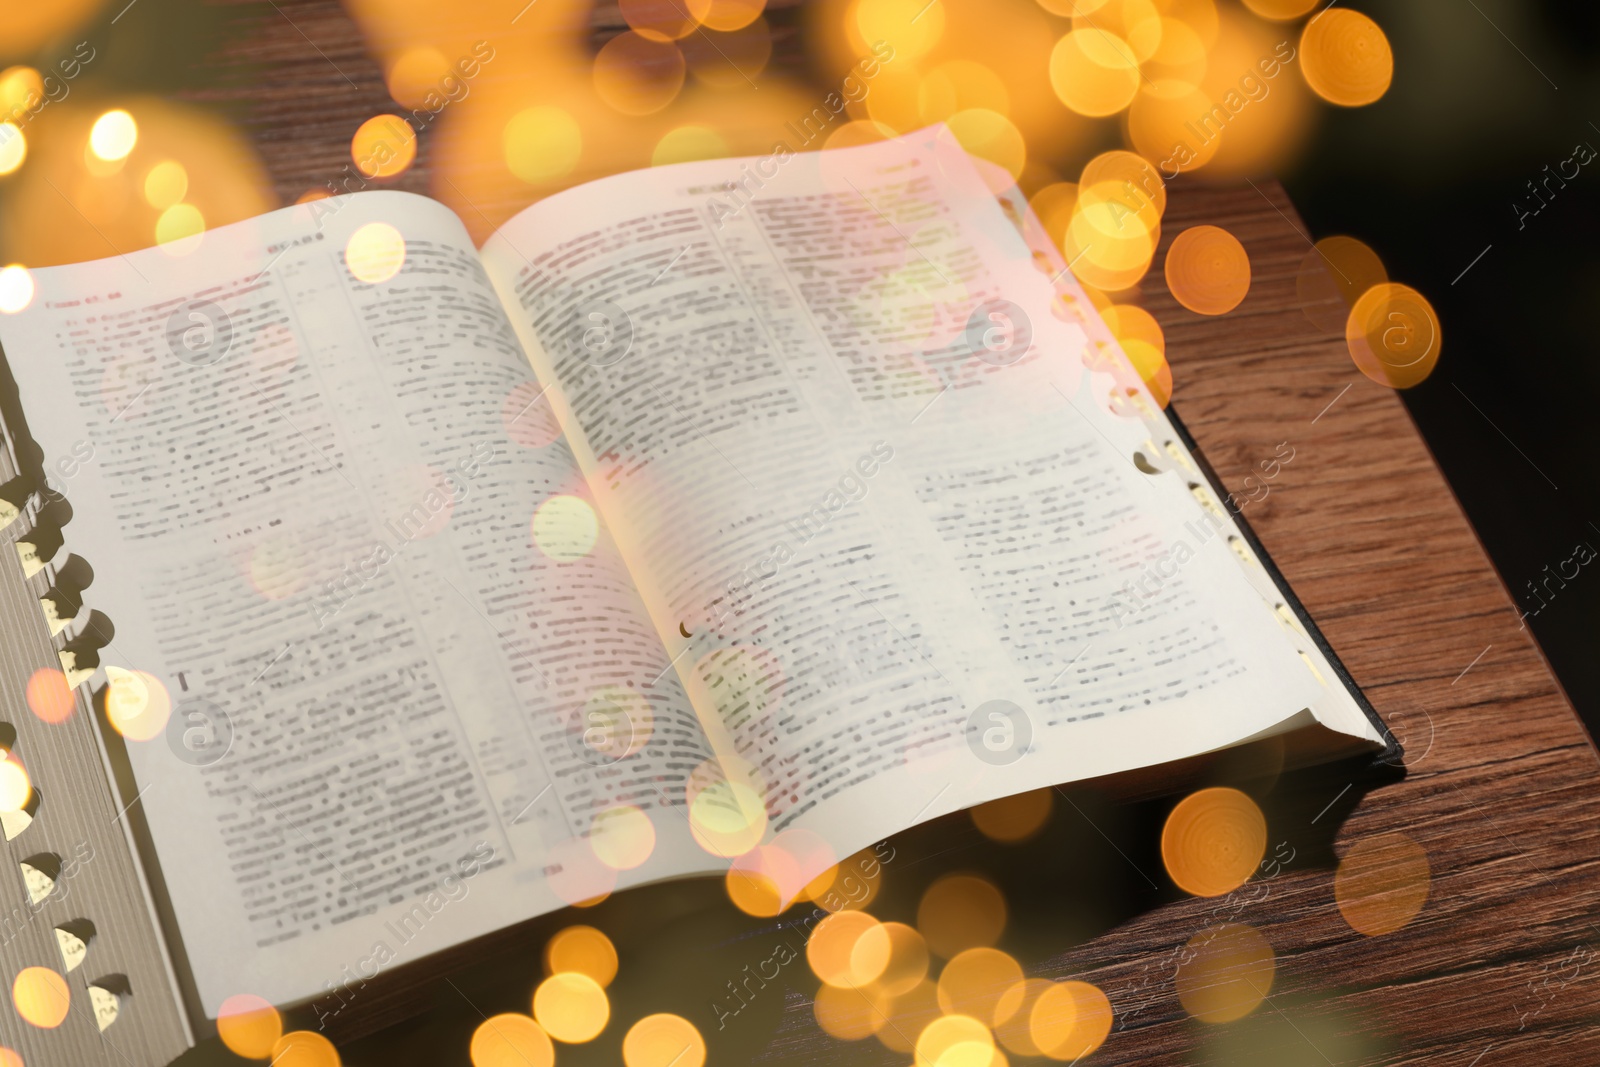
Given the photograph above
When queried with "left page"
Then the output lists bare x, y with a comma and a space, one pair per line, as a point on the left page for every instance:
375, 654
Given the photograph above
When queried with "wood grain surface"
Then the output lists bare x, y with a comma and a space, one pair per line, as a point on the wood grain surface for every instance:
1501, 787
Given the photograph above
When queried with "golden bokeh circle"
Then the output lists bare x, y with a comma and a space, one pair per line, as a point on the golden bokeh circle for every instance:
907, 1014
249, 1026
1345, 57
1393, 335
1382, 883
1281, 10
582, 950
383, 146
511, 1040
375, 253
137, 704
48, 696
663, 1040
15, 788
541, 143
955, 1041
848, 1014
1208, 270
113, 135
13, 147
848, 949
1227, 974
303, 1048
1095, 74
975, 982
16, 289
637, 75
1069, 1020
41, 997
571, 1007
1332, 277
1015, 818
664, 20
1213, 841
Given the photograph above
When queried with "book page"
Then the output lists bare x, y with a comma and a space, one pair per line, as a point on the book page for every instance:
843, 429
392, 664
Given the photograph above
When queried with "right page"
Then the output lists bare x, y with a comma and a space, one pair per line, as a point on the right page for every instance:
841, 421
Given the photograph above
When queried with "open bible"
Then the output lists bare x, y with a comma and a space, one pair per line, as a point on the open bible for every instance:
407, 590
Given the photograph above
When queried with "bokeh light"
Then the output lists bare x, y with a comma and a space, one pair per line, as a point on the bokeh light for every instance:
684, 144
542, 144
975, 983
249, 1026
955, 1041
16, 289
961, 911
663, 1040
727, 818
1213, 841
1393, 335
848, 1014
383, 146
1015, 818
375, 253
1207, 270
1069, 1020
1281, 10
1346, 58
511, 1040
178, 226
415, 73
137, 703
41, 997
13, 147
14, 785
1332, 277
113, 135
582, 950
304, 1048
165, 184
571, 1007
637, 75
49, 698
1228, 973
848, 949
907, 1014
1382, 883
622, 837
1095, 74
726, 16
565, 528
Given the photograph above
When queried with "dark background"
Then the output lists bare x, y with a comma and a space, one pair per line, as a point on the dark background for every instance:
1428, 177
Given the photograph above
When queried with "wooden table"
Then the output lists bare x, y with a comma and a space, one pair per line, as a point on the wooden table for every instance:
1501, 788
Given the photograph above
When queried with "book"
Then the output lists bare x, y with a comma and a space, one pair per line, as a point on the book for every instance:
787, 501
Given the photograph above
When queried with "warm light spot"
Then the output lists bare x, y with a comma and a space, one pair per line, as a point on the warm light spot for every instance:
383, 146
375, 253
10, 1059
1228, 973
113, 135
1393, 335
313, 195
1332, 277
1016, 1006
907, 1014
16, 289
755, 881
541, 144
571, 1007
1213, 841
20, 87
179, 222
1181, 56
1280, 10
137, 704
1094, 74
565, 528
622, 837
907, 964
1128, 322
303, 1048
510, 1040
1128, 179
848, 949
415, 73
1382, 883
975, 982
1069, 1020
955, 1041
664, 20
166, 184
912, 26
663, 1040
249, 1026
1135, 21
849, 1014
728, 818
41, 997
855, 883
14, 785
1161, 126
582, 950
13, 147
48, 696
726, 16
684, 144
1108, 246
1207, 270
1150, 364
1346, 58
961, 911
729, 60
636, 75
1014, 818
